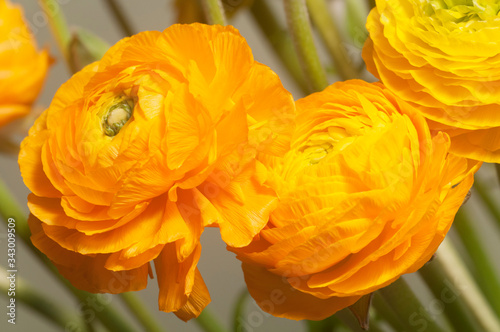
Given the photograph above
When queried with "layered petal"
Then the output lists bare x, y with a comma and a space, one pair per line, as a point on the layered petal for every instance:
139, 151
366, 194
442, 58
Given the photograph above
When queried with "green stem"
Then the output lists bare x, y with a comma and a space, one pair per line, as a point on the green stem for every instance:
350, 322
330, 324
484, 193
486, 275
214, 12
140, 312
120, 17
280, 41
384, 310
239, 310
300, 28
110, 318
454, 307
208, 322
459, 277
401, 298
323, 21
9, 208
28, 295
58, 25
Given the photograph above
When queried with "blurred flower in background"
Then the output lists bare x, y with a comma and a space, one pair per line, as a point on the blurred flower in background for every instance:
22, 66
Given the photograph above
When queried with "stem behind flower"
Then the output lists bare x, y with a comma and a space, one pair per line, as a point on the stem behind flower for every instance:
214, 12
409, 308
455, 270
280, 40
300, 28
455, 309
207, 321
58, 25
332, 39
140, 312
120, 17
486, 275
37, 301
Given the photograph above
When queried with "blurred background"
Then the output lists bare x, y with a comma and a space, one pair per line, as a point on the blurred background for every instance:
220, 270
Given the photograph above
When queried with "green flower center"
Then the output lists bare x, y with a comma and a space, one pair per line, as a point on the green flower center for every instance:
321, 143
117, 115
459, 11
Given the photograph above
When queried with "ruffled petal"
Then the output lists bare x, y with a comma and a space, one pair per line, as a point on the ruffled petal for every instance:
276, 296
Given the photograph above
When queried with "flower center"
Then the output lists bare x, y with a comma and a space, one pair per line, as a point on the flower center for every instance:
116, 117
459, 11
320, 144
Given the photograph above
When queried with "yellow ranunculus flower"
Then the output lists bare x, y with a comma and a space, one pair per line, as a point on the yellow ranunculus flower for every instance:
141, 150
442, 56
366, 195
22, 67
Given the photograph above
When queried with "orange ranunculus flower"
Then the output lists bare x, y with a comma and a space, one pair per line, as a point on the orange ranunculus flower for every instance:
366, 195
142, 149
442, 57
22, 67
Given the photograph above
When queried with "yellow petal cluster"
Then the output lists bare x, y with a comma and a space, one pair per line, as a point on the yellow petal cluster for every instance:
366, 195
139, 151
442, 57
22, 67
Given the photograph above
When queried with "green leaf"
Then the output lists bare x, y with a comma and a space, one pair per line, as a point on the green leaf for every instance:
85, 48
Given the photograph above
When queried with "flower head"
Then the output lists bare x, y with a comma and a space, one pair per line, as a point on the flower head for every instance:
366, 195
23, 68
441, 56
141, 150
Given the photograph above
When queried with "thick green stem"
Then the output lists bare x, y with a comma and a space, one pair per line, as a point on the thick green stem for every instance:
208, 322
239, 310
58, 25
280, 41
323, 21
300, 28
460, 278
214, 12
140, 312
110, 318
385, 311
412, 312
330, 324
448, 298
120, 17
9, 208
486, 275
485, 195
28, 295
